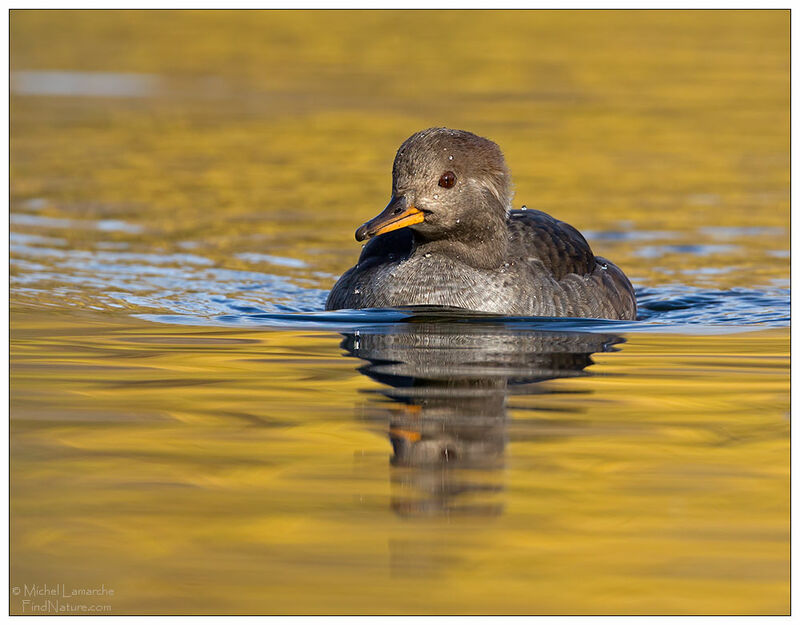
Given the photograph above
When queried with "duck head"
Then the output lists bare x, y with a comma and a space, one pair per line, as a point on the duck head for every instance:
447, 185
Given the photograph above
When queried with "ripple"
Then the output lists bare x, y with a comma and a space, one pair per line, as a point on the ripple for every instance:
657, 251
729, 232
105, 225
629, 235
693, 306
281, 261
85, 84
187, 288
672, 309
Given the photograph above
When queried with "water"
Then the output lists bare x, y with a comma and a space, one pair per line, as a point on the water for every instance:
190, 428
199, 290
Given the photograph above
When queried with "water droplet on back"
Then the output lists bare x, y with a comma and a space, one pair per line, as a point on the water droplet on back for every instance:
427, 254
450, 158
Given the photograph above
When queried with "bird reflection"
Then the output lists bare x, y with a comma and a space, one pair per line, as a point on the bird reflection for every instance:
449, 386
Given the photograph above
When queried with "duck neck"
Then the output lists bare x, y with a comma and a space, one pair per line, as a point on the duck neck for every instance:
483, 246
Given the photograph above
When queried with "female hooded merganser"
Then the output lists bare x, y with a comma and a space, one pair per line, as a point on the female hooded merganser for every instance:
448, 237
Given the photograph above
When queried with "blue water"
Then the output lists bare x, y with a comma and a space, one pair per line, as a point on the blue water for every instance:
185, 287
666, 309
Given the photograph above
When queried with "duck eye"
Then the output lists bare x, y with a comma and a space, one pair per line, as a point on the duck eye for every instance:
447, 180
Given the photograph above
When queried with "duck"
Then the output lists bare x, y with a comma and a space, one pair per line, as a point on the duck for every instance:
450, 238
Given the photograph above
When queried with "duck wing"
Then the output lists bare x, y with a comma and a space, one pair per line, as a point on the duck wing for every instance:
592, 286
559, 246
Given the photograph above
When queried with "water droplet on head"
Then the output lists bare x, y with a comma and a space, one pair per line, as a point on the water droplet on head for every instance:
356, 291
427, 254
450, 158
435, 196
458, 221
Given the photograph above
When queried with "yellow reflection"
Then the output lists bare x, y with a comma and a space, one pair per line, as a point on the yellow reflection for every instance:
184, 468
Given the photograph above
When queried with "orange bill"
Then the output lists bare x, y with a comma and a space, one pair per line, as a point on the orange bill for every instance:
395, 216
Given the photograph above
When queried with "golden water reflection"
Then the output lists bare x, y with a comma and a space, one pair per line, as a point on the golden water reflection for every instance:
186, 469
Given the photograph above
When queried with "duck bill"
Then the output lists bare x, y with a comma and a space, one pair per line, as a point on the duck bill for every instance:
396, 215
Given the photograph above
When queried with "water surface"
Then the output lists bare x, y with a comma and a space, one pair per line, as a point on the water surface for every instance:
190, 429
